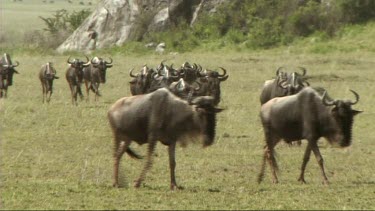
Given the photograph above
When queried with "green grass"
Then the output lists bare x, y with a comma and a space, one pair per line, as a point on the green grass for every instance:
59, 156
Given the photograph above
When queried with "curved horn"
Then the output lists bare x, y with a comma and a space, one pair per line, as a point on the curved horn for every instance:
111, 61
303, 70
17, 63
325, 102
195, 66
92, 61
356, 97
278, 70
68, 61
198, 87
307, 83
224, 72
131, 73
87, 59
280, 84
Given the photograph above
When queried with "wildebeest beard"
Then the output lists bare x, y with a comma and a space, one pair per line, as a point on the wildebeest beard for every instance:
346, 125
210, 129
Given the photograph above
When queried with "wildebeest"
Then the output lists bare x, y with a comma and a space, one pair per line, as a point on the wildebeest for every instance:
74, 76
162, 116
284, 84
184, 90
95, 74
46, 76
140, 84
211, 84
6, 74
306, 115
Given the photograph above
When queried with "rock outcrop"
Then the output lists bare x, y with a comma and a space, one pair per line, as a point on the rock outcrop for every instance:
116, 21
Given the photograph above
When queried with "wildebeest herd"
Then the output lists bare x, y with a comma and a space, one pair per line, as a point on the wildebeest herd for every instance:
172, 105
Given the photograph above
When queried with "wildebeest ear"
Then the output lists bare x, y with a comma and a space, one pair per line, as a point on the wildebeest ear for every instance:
218, 110
355, 112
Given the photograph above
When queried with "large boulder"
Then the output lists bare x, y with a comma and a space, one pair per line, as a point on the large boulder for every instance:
118, 21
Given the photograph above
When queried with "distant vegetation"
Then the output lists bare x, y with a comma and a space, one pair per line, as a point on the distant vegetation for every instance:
267, 23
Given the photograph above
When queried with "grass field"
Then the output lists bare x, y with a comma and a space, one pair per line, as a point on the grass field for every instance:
59, 156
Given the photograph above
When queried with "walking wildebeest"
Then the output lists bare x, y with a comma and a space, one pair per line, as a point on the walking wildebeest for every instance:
6, 74
306, 115
46, 76
95, 74
162, 116
74, 76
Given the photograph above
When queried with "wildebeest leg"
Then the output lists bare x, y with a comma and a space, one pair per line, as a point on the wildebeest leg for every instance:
151, 148
319, 158
87, 90
306, 159
262, 168
119, 149
172, 164
272, 161
43, 91
79, 91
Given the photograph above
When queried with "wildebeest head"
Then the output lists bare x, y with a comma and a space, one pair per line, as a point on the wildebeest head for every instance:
205, 105
211, 83
163, 77
343, 113
102, 66
7, 68
78, 64
294, 82
189, 72
184, 90
141, 81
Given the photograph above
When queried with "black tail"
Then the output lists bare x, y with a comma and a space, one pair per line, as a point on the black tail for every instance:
133, 154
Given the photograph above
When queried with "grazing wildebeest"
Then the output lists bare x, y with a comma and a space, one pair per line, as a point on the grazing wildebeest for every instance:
46, 76
284, 84
306, 115
6, 74
74, 76
162, 116
95, 74
211, 84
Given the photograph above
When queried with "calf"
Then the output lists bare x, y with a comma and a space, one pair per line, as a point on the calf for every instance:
306, 115
162, 116
46, 76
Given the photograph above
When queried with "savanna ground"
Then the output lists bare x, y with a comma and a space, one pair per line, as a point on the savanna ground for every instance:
59, 156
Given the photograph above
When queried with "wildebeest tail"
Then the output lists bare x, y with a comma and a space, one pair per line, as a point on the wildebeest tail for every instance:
132, 154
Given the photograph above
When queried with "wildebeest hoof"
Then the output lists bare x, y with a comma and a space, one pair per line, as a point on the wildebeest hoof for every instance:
302, 180
115, 185
176, 187
137, 184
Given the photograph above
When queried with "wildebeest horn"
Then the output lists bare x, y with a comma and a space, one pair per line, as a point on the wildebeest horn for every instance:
199, 68
278, 70
307, 83
356, 97
195, 66
280, 83
198, 87
325, 102
16, 64
92, 61
68, 61
224, 72
87, 59
111, 61
131, 73
303, 70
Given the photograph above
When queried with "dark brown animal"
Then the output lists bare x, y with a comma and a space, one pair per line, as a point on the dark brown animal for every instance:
283, 85
6, 74
95, 74
46, 76
159, 116
141, 82
306, 115
74, 76
211, 84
